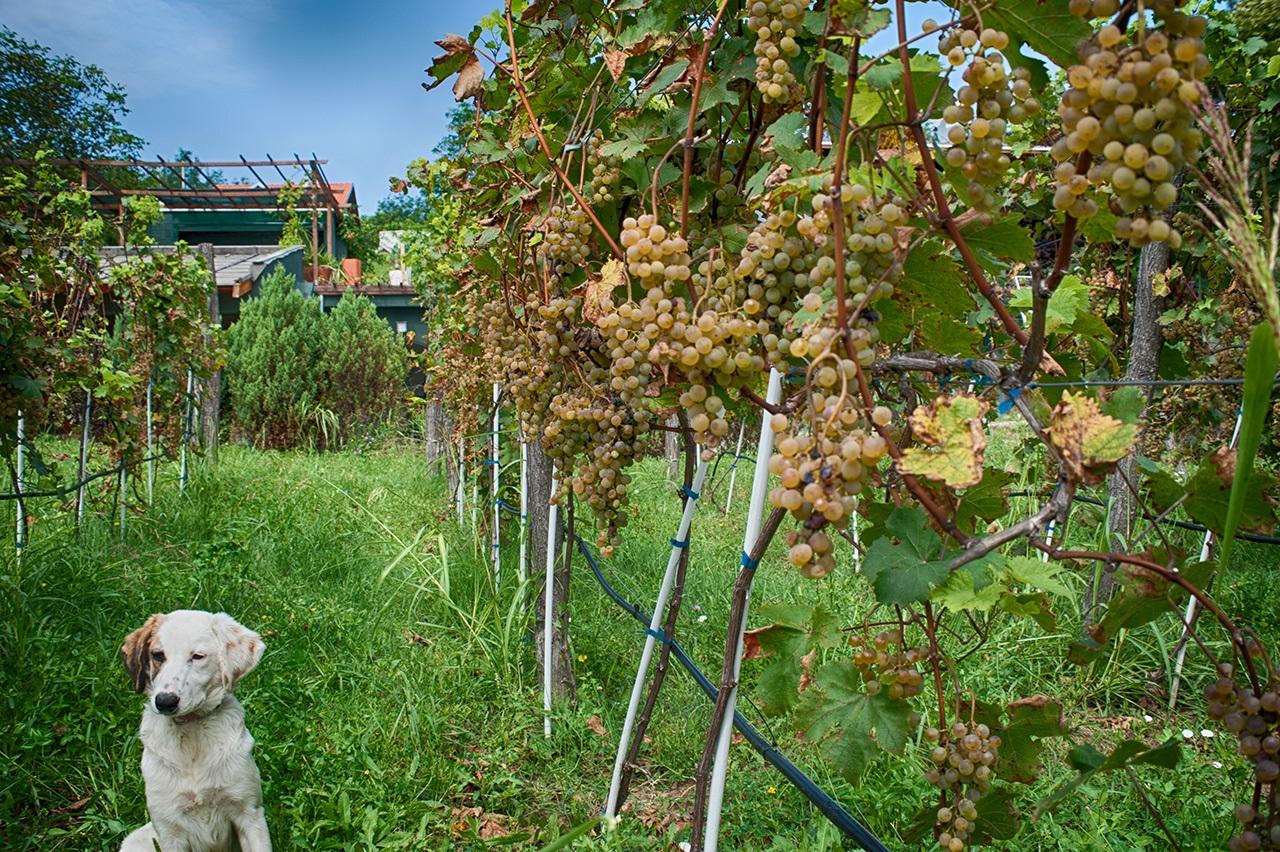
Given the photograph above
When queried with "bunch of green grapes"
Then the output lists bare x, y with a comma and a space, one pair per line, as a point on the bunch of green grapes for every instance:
655, 255
777, 24
657, 341
990, 101
530, 378
592, 441
566, 239
887, 664
963, 766
822, 461
1255, 720
606, 171
1129, 107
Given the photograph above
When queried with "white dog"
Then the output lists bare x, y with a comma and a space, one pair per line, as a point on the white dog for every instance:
204, 793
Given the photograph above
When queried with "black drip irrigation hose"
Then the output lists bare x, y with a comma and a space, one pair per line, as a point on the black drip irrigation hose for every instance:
830, 808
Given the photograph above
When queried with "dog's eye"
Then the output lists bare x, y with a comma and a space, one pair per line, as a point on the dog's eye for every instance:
197, 656
158, 656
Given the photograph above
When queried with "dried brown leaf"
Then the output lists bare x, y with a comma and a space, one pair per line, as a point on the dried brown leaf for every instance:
615, 60
470, 80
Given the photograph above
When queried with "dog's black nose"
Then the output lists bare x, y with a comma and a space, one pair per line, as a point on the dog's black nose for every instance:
167, 702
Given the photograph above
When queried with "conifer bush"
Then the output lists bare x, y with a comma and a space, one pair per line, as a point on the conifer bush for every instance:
297, 377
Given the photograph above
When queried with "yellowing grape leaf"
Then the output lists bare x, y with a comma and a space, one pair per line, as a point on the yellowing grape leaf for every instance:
1089, 441
951, 430
598, 300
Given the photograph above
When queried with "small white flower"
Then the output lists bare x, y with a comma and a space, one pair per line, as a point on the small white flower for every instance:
1146, 717
1187, 733
696, 608
611, 822
1208, 734
1216, 764
701, 618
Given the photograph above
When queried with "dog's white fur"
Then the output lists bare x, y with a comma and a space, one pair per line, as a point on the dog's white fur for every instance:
204, 793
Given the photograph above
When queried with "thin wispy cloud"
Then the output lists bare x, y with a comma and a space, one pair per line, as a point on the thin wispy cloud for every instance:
152, 47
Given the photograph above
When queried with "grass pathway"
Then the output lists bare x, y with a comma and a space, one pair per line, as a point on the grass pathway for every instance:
397, 706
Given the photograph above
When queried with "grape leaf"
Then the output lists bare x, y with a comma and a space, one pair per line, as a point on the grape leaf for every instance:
1125, 404
957, 593
797, 631
904, 573
598, 299
1088, 762
1046, 26
998, 817
1259, 380
911, 525
951, 430
898, 577
850, 726
1205, 496
1003, 238
985, 501
1033, 572
1030, 721
1089, 441
786, 131
665, 78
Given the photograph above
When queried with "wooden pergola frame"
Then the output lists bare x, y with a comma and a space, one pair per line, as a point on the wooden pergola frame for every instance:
110, 194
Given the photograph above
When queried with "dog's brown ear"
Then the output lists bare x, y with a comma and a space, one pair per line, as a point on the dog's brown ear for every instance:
241, 648
136, 651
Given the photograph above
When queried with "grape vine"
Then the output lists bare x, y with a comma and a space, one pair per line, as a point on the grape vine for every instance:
720, 194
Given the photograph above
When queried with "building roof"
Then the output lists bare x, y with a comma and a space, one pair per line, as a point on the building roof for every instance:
235, 268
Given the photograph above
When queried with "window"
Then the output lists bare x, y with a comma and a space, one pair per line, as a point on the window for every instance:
402, 327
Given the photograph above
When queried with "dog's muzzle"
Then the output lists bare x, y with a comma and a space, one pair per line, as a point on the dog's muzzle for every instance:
166, 703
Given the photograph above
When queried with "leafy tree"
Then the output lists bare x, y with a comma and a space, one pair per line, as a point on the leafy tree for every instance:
55, 103
462, 118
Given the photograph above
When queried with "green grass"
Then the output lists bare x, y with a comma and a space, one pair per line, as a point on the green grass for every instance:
398, 704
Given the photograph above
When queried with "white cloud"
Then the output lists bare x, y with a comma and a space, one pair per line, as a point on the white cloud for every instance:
152, 47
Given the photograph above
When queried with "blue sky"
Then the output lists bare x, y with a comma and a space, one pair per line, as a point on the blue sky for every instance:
230, 77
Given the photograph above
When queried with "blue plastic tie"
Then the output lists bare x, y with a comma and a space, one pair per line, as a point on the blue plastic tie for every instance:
749, 563
1004, 406
491, 461
681, 544
688, 492
658, 634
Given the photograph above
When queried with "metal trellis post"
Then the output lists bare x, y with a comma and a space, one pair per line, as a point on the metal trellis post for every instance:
548, 606
151, 456
679, 543
522, 568
1190, 613
755, 514
20, 537
84, 457
497, 535
186, 431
